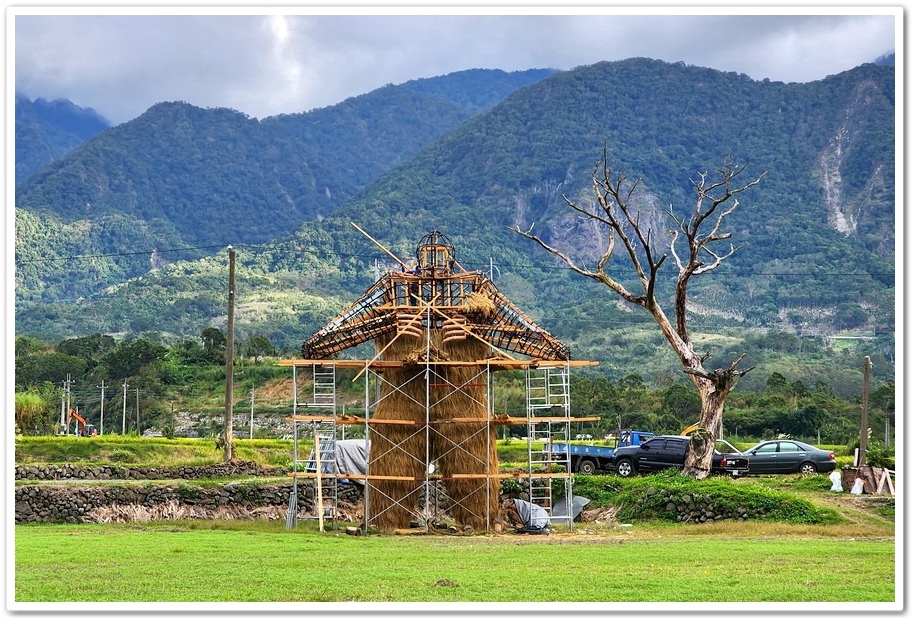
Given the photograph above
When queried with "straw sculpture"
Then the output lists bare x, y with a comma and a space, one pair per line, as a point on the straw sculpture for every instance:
456, 448
425, 315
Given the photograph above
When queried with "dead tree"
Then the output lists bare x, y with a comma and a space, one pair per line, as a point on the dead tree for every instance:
619, 220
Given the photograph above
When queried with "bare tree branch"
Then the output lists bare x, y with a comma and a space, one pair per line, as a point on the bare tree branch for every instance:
696, 235
599, 276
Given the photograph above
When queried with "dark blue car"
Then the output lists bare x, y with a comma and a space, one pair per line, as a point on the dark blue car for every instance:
787, 456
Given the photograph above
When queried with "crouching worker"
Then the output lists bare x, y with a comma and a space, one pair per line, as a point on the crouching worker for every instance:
525, 517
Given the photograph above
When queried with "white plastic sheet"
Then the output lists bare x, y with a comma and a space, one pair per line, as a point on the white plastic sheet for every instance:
837, 481
858, 487
534, 518
560, 508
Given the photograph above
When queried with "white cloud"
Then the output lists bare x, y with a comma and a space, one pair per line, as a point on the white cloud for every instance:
270, 64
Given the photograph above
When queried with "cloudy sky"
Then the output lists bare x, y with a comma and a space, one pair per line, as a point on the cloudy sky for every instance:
265, 62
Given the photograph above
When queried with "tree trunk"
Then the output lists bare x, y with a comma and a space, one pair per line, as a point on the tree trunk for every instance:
703, 443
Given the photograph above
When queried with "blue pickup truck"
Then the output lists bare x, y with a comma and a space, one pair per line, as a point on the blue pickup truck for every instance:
589, 459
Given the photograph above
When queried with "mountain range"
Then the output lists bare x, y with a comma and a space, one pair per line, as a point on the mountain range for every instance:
127, 232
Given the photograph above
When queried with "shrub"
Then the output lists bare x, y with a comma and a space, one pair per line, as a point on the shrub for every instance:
511, 486
879, 455
662, 496
122, 456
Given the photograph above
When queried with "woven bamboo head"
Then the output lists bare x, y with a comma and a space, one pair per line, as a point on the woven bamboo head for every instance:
435, 255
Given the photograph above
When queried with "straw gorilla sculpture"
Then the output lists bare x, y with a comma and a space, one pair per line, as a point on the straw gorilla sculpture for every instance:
441, 323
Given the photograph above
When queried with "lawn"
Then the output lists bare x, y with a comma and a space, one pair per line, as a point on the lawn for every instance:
263, 563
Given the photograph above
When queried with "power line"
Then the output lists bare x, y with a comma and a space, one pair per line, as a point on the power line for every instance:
122, 254
484, 264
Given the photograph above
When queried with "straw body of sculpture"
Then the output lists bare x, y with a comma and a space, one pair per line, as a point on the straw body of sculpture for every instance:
426, 317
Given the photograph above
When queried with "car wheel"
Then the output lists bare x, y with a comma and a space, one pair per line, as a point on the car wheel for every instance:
807, 468
624, 468
587, 467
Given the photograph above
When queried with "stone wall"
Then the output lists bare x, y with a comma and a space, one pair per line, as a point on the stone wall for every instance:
72, 503
120, 472
79, 494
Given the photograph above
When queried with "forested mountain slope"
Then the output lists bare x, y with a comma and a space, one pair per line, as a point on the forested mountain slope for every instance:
816, 237
47, 130
180, 180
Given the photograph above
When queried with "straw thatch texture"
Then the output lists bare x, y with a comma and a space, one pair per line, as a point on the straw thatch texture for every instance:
397, 449
456, 448
479, 303
465, 447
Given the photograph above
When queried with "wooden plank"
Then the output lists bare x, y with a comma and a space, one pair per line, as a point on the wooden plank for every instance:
881, 481
352, 419
514, 420
499, 476
497, 363
320, 500
311, 476
885, 480
524, 475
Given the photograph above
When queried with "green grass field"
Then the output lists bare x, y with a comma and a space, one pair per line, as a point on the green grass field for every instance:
262, 562
846, 560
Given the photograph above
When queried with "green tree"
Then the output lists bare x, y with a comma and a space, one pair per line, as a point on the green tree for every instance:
682, 404
188, 352
850, 315
804, 422
777, 382
130, 357
31, 409
27, 346
89, 348
259, 346
214, 343
51, 367
883, 398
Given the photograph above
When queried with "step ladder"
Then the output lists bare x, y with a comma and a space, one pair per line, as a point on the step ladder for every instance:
323, 387
320, 466
548, 422
547, 388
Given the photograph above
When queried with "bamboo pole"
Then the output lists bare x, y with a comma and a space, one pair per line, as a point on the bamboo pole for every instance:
319, 498
379, 245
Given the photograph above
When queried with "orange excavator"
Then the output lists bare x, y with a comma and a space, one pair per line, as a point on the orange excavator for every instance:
84, 429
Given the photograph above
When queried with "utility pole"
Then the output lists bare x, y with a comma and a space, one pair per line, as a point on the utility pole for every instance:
65, 405
863, 430
251, 421
138, 410
102, 411
124, 410
63, 411
492, 268
228, 449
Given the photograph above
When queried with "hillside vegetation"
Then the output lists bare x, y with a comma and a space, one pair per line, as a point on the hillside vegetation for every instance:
816, 239
179, 389
814, 263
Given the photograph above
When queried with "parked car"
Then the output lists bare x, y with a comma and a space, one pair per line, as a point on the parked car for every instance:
787, 456
666, 451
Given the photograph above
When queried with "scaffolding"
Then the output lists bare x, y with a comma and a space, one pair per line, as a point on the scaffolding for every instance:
547, 421
318, 424
441, 334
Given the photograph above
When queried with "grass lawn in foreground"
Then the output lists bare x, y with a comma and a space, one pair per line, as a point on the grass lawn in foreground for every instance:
262, 562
